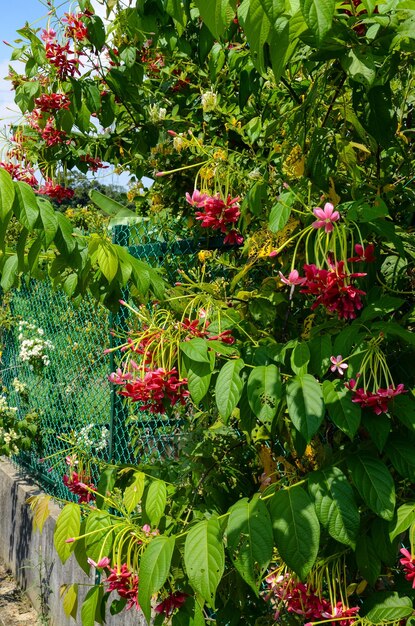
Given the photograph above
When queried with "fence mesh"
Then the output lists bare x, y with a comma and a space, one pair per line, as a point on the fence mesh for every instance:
73, 391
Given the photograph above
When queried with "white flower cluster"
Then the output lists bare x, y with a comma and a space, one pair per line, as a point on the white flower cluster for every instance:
209, 101
5, 409
19, 387
33, 350
86, 439
156, 113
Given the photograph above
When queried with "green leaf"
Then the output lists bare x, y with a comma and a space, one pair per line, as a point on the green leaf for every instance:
204, 558
386, 606
400, 451
257, 28
155, 502
196, 349
229, 387
343, 412
49, 220
190, 614
96, 31
7, 193
114, 209
359, 64
405, 517
403, 407
80, 551
367, 559
99, 528
281, 211
90, 606
305, 404
107, 260
296, 529
67, 526
264, 391
198, 376
335, 504
320, 353
374, 483
105, 485
378, 427
217, 14
134, 492
383, 306
318, 15
64, 239
154, 569
70, 601
9, 272
25, 205
250, 540
300, 358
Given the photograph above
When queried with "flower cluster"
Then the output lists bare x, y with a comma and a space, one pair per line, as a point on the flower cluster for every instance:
55, 191
94, 163
59, 57
173, 601
88, 439
408, 563
75, 27
33, 348
125, 583
15, 433
52, 136
199, 328
20, 172
80, 485
377, 400
155, 390
296, 597
48, 103
333, 288
217, 214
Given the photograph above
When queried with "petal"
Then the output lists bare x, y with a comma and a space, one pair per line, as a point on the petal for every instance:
318, 212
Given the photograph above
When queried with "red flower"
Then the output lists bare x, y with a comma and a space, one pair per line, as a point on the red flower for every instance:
173, 601
56, 192
51, 135
378, 400
125, 583
94, 163
19, 172
58, 56
79, 484
408, 563
363, 254
157, 389
75, 28
217, 214
334, 289
52, 102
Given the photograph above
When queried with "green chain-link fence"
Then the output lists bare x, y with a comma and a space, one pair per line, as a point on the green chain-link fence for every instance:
73, 391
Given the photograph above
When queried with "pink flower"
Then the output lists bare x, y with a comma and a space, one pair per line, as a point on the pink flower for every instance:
338, 365
102, 563
293, 279
408, 563
327, 217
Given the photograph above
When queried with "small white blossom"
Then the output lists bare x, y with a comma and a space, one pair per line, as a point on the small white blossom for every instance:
209, 101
